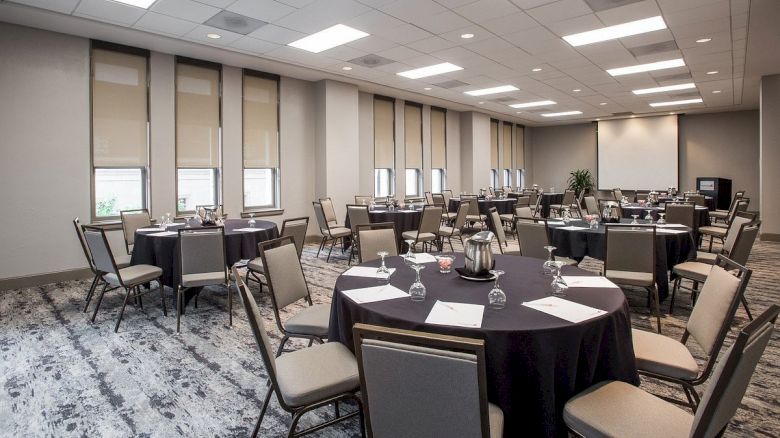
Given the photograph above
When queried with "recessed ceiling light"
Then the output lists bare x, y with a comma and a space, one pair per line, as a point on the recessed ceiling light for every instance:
666, 88
603, 103
328, 38
704, 40
671, 114
493, 90
532, 104
565, 113
536, 69
519, 112
347, 68
467, 36
676, 102
646, 67
633, 116
715, 91
480, 103
576, 90
427, 88
214, 36
714, 72
139, 3
598, 120
616, 31
431, 70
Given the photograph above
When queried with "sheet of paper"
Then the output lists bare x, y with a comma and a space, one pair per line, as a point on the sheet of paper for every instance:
572, 228
670, 225
670, 231
564, 309
587, 281
424, 257
456, 314
376, 293
146, 230
555, 223
164, 233
364, 271
249, 230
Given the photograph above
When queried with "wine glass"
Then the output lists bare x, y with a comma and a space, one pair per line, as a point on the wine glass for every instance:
252, 220
168, 220
409, 256
496, 296
634, 222
558, 285
162, 222
661, 220
649, 216
417, 290
382, 273
547, 267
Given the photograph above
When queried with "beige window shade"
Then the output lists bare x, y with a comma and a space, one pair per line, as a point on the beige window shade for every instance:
438, 139
413, 136
119, 110
493, 145
519, 147
261, 123
384, 137
197, 116
507, 161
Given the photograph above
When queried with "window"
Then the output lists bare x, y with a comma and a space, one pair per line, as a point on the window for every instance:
438, 149
413, 148
120, 129
261, 140
520, 178
198, 134
493, 153
384, 146
506, 159
493, 178
413, 182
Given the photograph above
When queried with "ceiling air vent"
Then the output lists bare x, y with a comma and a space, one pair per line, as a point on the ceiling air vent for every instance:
451, 84
603, 5
674, 77
503, 99
233, 22
371, 61
650, 49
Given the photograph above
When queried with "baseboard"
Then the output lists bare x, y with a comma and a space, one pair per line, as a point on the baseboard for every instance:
770, 237
41, 279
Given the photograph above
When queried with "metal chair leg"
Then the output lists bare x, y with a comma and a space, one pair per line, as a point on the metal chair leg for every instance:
745, 305
322, 243
100, 299
654, 293
296, 416
91, 292
230, 305
162, 297
122, 310
178, 309
281, 345
332, 244
674, 292
268, 393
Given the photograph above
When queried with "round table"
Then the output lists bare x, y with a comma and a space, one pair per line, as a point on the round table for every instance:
503, 206
404, 220
161, 250
709, 201
701, 214
535, 361
672, 247
548, 199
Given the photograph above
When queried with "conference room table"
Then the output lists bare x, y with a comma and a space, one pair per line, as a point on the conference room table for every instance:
503, 206
709, 201
548, 199
403, 219
535, 361
576, 240
701, 214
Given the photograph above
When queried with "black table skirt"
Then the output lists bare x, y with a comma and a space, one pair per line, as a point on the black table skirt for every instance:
503, 206
162, 251
535, 362
671, 249
403, 220
709, 201
701, 215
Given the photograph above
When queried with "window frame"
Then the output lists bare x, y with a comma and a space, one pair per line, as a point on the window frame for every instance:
390, 181
442, 169
392, 176
442, 179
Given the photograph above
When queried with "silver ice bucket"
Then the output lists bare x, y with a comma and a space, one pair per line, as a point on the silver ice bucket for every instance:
479, 257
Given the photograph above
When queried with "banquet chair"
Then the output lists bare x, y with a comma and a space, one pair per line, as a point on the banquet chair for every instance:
456, 230
429, 198
718, 214
295, 227
122, 261
329, 233
496, 226
202, 262
372, 238
439, 381
591, 205
329, 211
287, 284
130, 278
426, 233
532, 237
629, 259
618, 194
447, 196
718, 231
131, 221
358, 215
728, 242
363, 200
524, 213
568, 200
439, 201
474, 215
697, 199
615, 409
664, 358
303, 380
509, 218
681, 214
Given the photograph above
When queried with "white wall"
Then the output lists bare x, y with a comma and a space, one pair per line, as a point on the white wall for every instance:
770, 157
474, 151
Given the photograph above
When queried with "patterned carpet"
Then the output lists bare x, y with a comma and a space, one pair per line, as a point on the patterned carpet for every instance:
62, 376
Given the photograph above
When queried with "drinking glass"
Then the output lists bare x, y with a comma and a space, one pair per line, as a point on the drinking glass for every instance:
417, 290
496, 296
548, 266
382, 273
661, 220
634, 222
445, 263
409, 256
168, 220
558, 285
649, 216
162, 222
252, 220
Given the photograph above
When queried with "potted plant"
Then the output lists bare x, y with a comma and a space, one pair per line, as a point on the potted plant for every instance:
580, 181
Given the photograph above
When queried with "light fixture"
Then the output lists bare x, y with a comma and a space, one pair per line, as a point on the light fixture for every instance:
328, 38
519, 112
536, 69
139, 3
427, 88
565, 113
704, 40
715, 91
480, 103
676, 102
633, 116
576, 90
598, 120
494, 90
532, 104
214, 36
617, 31
467, 36
714, 72
603, 103
646, 67
347, 68
431, 70
687, 86
671, 114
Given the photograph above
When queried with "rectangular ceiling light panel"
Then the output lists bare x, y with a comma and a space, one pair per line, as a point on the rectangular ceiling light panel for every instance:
672, 63
617, 31
139, 3
494, 90
565, 113
329, 38
687, 86
532, 104
676, 102
431, 70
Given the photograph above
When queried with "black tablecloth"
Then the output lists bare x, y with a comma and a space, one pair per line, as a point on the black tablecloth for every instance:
162, 251
709, 201
503, 206
671, 249
547, 200
535, 362
701, 214
404, 220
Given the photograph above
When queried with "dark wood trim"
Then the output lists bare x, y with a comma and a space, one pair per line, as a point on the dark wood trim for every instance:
770, 237
261, 74
114, 47
387, 98
199, 63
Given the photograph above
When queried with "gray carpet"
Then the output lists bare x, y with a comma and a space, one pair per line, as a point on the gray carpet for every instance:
62, 376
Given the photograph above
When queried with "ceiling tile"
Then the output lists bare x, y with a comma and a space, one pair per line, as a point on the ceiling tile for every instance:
630, 12
574, 25
432, 44
528, 4
217, 3
164, 24
253, 45
510, 23
401, 53
404, 34
321, 15
374, 21
110, 11
484, 10
559, 11
276, 34
408, 10
372, 44
440, 23
185, 9
264, 10
200, 32
297, 3
61, 6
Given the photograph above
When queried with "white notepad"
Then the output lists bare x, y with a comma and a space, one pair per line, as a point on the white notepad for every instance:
670, 225
564, 309
555, 223
587, 281
456, 314
164, 233
249, 229
424, 257
666, 231
364, 271
376, 293
145, 230
572, 228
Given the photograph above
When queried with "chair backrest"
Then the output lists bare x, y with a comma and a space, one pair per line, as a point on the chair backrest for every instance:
473, 201
740, 206
617, 193
358, 215
83, 242
568, 197
363, 200
532, 238
402, 372
101, 252
681, 214
734, 229
746, 237
497, 227
329, 210
429, 198
591, 205
372, 238
696, 199
284, 273
630, 248
522, 201
524, 213
534, 197
431, 218
732, 376
296, 228
460, 218
202, 250
322, 223
642, 196
131, 221
437, 199
447, 196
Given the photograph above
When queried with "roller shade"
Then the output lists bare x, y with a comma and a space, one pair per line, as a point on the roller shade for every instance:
519, 147
384, 137
261, 122
438, 139
119, 109
413, 136
493, 144
507, 160
197, 116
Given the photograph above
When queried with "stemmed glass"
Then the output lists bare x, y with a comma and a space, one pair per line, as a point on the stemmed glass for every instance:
417, 290
661, 220
409, 256
168, 220
558, 285
634, 222
162, 222
252, 220
548, 266
496, 296
382, 273
649, 216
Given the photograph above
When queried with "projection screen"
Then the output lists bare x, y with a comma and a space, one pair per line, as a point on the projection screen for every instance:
638, 154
